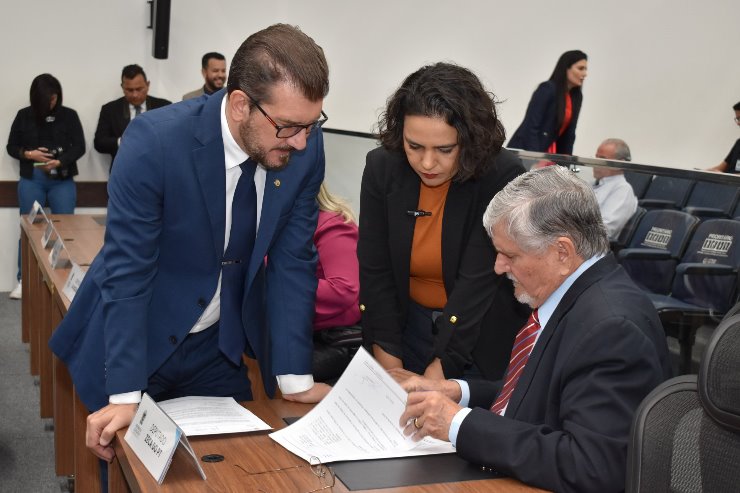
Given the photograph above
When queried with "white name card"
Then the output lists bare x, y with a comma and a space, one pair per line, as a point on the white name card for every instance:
33, 214
74, 279
56, 253
48, 234
154, 437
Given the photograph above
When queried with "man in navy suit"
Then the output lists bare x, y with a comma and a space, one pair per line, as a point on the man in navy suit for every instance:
148, 314
592, 350
116, 115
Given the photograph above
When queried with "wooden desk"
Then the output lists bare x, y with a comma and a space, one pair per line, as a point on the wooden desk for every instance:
257, 451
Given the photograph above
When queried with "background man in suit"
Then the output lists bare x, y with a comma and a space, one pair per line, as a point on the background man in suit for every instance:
214, 75
617, 201
168, 306
561, 417
116, 115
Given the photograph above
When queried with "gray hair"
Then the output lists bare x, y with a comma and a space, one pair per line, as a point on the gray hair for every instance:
542, 205
621, 149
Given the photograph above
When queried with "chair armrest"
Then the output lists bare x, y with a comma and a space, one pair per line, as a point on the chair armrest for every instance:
644, 253
705, 211
657, 204
697, 268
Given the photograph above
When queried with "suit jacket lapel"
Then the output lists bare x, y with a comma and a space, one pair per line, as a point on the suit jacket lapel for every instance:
459, 199
400, 224
271, 207
586, 279
208, 159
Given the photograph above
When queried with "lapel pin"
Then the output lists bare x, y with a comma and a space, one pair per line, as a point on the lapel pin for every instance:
277, 183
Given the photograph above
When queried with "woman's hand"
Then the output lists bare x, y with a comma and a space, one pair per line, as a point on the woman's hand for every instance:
40, 155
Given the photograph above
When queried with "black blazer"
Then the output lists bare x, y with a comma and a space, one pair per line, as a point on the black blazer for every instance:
113, 120
540, 126
65, 132
567, 424
486, 315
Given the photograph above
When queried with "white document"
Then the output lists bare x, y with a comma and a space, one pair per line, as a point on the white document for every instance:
211, 416
357, 420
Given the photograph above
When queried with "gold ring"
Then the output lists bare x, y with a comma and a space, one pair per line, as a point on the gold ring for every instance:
416, 424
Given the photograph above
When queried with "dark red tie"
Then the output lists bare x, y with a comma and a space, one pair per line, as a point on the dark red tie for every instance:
523, 345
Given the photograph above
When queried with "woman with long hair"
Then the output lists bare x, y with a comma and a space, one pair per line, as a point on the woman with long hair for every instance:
47, 138
552, 114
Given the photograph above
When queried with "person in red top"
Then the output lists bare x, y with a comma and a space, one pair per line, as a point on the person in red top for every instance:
552, 114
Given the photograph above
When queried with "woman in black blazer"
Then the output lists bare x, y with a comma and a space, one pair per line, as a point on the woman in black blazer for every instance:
47, 138
439, 130
552, 114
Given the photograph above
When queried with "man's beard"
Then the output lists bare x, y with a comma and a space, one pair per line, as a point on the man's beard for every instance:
522, 297
258, 153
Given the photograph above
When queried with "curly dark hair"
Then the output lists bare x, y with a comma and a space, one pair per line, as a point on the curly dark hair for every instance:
454, 93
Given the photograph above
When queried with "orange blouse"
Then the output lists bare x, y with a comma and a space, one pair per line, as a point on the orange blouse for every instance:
553, 149
426, 285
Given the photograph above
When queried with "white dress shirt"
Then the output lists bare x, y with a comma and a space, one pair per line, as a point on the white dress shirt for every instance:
617, 203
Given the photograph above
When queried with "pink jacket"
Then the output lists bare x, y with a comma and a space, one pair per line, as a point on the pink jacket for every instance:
337, 297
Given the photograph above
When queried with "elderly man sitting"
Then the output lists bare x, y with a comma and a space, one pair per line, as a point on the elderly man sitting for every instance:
591, 351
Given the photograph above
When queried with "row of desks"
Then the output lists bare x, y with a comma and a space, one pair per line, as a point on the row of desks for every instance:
43, 306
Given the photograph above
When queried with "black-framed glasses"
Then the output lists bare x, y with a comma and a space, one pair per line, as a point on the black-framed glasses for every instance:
321, 471
286, 131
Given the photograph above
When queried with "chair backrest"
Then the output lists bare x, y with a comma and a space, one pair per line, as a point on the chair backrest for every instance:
714, 242
712, 199
686, 433
666, 192
630, 227
666, 230
639, 182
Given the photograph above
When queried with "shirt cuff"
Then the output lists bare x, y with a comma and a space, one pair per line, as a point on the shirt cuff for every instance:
125, 398
464, 392
292, 384
456, 423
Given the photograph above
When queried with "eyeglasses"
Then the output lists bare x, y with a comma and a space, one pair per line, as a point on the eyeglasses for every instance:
324, 473
286, 131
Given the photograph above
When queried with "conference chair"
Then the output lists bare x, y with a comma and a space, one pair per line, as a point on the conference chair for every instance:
685, 435
628, 230
658, 243
705, 284
666, 192
638, 181
333, 349
712, 200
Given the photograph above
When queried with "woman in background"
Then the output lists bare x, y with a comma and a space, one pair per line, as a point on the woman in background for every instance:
552, 115
47, 138
429, 297
338, 271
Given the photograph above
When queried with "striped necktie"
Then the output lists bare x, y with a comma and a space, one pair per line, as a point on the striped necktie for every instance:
523, 345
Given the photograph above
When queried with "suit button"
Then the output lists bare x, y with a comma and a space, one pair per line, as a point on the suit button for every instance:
202, 303
173, 339
453, 319
362, 308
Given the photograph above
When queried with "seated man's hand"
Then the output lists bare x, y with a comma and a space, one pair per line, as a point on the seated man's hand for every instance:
102, 426
411, 382
310, 396
428, 414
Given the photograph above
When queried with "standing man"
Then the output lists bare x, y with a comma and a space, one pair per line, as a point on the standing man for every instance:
731, 164
592, 349
617, 201
214, 75
116, 115
180, 288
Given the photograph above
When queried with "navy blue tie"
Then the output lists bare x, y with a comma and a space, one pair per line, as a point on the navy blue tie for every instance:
232, 339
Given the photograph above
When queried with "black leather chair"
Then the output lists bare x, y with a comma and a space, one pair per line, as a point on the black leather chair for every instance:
639, 182
666, 192
712, 200
705, 285
686, 433
656, 247
333, 349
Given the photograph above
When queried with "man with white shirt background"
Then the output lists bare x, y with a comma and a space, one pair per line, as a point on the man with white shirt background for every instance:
614, 194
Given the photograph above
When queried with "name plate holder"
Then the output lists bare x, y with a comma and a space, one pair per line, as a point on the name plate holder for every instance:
49, 233
55, 256
154, 437
74, 279
33, 215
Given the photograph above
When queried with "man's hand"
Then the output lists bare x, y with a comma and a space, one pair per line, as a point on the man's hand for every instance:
310, 396
411, 382
428, 414
102, 426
